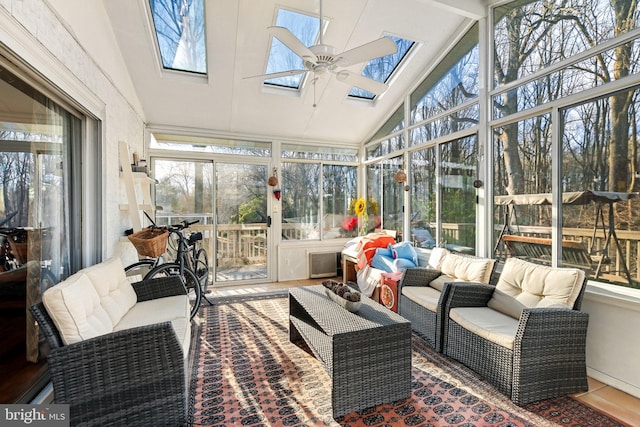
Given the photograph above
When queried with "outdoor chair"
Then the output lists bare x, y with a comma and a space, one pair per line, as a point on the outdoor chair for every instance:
422, 291
134, 376
526, 335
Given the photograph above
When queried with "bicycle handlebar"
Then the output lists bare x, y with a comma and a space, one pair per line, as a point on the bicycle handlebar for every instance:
174, 227
182, 225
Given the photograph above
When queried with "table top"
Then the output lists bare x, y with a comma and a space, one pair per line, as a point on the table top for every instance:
334, 319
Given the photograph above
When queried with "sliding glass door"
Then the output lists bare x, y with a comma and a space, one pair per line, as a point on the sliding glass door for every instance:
242, 222
230, 202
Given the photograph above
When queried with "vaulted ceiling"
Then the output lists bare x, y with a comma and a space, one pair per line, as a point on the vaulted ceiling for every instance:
238, 45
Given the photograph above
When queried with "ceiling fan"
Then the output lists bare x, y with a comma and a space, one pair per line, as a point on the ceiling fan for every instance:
322, 59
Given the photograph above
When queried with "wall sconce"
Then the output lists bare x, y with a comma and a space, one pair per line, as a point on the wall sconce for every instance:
277, 193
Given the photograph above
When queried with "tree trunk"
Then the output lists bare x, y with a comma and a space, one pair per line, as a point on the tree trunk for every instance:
623, 11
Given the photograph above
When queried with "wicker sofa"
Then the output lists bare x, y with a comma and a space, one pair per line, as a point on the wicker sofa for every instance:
422, 291
526, 335
118, 351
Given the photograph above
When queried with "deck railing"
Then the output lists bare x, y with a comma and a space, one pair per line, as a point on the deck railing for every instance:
614, 270
244, 244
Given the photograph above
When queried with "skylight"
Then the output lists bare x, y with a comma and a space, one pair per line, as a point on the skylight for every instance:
281, 58
179, 26
381, 69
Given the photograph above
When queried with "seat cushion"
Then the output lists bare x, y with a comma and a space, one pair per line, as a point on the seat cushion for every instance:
174, 309
524, 284
438, 282
467, 268
487, 323
110, 282
425, 296
74, 306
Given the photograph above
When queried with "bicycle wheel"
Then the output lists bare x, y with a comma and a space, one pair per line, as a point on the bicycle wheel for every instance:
139, 270
189, 280
202, 269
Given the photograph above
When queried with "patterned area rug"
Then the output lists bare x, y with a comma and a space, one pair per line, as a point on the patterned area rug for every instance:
245, 372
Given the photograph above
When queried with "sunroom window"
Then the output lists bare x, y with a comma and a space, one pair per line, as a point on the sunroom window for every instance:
179, 26
281, 58
382, 68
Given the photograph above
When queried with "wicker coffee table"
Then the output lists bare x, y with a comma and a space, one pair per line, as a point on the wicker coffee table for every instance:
367, 354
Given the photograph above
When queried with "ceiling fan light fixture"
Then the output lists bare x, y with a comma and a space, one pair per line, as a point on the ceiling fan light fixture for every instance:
322, 59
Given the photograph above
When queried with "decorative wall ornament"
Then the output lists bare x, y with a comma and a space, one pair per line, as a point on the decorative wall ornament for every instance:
400, 176
273, 180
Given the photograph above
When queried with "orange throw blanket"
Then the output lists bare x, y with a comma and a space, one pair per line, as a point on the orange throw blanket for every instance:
367, 246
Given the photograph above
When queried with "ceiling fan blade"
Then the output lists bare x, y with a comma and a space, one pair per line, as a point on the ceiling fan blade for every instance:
289, 40
382, 47
276, 75
362, 82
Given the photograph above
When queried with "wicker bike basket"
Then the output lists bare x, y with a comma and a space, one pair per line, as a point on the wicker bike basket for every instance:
150, 242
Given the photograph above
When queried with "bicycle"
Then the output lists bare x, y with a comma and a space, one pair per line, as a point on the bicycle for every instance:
139, 270
197, 254
191, 264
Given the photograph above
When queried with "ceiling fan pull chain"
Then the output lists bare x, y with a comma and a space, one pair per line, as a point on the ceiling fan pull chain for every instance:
315, 79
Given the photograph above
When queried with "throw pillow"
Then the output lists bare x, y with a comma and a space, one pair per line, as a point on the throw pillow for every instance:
405, 250
382, 262
385, 252
401, 264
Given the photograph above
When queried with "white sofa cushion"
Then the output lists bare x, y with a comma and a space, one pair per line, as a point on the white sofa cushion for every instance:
487, 323
426, 296
110, 282
525, 284
436, 257
74, 306
466, 269
438, 282
174, 309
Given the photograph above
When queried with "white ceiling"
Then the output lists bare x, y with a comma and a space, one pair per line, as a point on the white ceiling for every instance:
238, 45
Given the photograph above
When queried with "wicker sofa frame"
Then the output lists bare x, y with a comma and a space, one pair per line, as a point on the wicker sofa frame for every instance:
133, 377
426, 322
429, 324
548, 358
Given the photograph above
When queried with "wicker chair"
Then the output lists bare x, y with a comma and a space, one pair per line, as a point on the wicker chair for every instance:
528, 351
133, 377
422, 291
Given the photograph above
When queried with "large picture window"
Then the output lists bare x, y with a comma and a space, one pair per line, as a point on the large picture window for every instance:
424, 214
317, 200
385, 196
600, 163
459, 163
522, 157
40, 242
546, 52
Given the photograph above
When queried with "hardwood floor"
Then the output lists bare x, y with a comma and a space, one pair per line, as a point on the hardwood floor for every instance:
20, 379
609, 400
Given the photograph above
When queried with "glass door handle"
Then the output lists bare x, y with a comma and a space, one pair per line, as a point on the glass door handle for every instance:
269, 221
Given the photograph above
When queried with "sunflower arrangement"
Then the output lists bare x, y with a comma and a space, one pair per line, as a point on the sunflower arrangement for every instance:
362, 208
